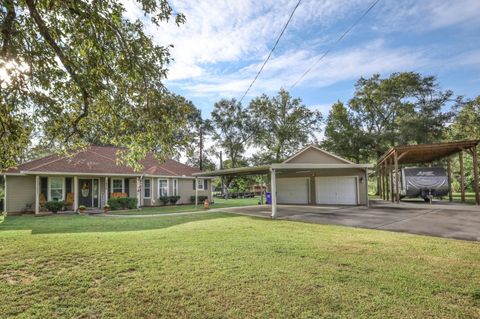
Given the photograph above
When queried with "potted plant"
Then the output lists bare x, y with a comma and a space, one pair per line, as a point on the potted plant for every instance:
106, 208
81, 209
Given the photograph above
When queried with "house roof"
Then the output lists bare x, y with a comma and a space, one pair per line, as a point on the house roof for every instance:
102, 160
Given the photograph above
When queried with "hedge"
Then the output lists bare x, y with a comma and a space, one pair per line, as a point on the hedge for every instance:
122, 203
201, 199
54, 206
173, 199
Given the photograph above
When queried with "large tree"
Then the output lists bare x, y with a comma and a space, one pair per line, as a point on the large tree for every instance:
284, 126
403, 108
234, 129
466, 124
344, 135
79, 69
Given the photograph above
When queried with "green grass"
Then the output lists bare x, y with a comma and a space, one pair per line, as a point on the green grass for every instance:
217, 265
219, 203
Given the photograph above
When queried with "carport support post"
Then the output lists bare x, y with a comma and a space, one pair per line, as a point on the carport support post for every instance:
449, 172
475, 174
462, 177
384, 169
391, 179
387, 172
397, 192
366, 188
274, 192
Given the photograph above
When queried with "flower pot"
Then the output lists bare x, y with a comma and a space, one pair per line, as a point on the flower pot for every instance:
82, 211
105, 210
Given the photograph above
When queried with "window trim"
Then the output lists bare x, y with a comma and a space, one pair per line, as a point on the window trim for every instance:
49, 187
117, 179
168, 186
150, 188
200, 182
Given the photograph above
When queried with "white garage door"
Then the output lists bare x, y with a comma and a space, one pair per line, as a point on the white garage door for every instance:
292, 190
336, 190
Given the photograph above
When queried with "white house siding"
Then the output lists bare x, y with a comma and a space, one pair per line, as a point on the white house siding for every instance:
20, 192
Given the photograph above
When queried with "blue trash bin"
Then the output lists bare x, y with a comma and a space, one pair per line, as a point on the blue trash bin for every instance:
268, 197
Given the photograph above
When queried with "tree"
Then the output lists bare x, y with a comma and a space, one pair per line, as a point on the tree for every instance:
284, 126
466, 124
201, 129
72, 67
234, 129
344, 135
403, 108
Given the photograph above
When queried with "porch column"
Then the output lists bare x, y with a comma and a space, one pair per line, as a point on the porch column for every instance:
462, 177
367, 203
274, 192
196, 192
139, 191
37, 194
397, 188
75, 193
5, 193
106, 190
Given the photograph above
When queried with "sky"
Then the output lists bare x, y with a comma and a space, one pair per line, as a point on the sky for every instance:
222, 45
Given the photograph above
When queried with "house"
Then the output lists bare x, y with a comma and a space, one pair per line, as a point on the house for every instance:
92, 176
312, 176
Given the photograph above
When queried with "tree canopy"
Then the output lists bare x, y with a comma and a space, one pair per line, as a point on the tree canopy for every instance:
284, 126
404, 108
78, 69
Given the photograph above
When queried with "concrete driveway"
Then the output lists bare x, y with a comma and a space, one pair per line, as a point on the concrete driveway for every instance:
449, 221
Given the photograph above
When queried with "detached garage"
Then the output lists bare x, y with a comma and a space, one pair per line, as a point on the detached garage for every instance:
310, 177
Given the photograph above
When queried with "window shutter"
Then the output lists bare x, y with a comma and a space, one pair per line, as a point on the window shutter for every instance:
109, 187
127, 186
205, 184
194, 186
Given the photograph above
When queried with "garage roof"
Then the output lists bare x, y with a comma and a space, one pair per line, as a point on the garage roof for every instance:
425, 153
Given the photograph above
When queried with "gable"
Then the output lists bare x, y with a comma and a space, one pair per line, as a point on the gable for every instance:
314, 155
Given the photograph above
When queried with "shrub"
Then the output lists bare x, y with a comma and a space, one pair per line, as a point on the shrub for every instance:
173, 199
164, 199
201, 199
122, 203
54, 206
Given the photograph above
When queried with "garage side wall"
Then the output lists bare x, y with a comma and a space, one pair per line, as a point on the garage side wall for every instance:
20, 192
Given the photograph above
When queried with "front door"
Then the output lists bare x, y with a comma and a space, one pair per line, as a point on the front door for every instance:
85, 192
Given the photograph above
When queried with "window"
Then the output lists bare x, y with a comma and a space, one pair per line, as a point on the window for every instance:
200, 184
147, 187
175, 187
162, 187
56, 188
117, 185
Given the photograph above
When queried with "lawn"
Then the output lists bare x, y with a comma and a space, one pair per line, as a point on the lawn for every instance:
219, 203
217, 265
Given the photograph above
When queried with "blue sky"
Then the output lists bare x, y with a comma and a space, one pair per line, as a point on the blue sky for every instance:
222, 45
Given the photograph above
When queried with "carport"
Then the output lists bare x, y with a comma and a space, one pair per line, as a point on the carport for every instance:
390, 162
310, 177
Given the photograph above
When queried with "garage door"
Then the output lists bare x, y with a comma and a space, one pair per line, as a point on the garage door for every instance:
336, 190
292, 190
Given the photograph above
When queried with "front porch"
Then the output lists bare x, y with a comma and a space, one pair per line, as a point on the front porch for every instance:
92, 192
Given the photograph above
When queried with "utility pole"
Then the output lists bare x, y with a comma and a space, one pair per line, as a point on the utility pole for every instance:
201, 148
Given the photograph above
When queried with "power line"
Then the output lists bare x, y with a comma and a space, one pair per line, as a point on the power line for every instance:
344, 34
271, 51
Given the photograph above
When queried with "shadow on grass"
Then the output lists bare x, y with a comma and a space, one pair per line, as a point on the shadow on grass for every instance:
84, 224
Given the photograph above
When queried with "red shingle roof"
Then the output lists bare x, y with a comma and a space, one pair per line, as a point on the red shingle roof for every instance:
102, 160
